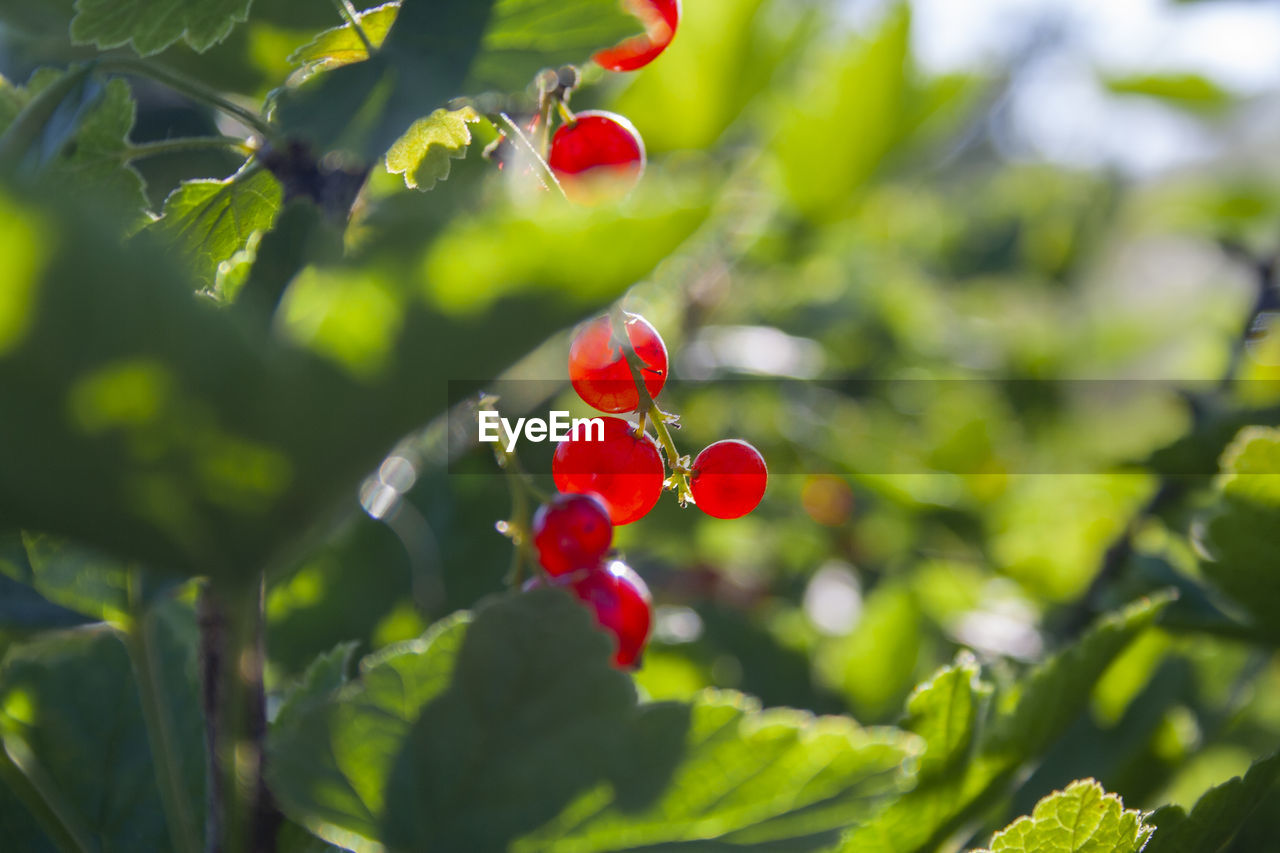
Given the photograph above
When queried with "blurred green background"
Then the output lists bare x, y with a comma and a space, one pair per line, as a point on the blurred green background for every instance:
1023, 230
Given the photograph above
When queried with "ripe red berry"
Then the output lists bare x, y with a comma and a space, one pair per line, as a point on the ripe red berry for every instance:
598, 367
571, 532
728, 479
598, 154
625, 471
661, 17
622, 606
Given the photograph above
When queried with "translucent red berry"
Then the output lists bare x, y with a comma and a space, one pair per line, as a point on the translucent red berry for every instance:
624, 470
622, 606
599, 370
598, 154
572, 532
661, 17
728, 479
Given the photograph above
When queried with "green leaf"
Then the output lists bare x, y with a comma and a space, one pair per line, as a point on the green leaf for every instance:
323, 677
776, 779
945, 711
68, 702
1190, 91
1082, 819
209, 221
1217, 815
1020, 727
1241, 532
149, 26
23, 609
338, 791
82, 147
844, 119
78, 579
434, 51
422, 155
340, 45
521, 720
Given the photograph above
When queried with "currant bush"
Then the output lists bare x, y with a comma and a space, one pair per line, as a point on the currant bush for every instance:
598, 368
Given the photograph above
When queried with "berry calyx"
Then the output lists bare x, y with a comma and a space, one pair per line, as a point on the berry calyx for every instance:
661, 17
596, 155
728, 479
624, 470
571, 532
598, 367
622, 606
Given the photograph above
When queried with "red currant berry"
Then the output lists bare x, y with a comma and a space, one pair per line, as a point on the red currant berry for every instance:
571, 532
624, 470
661, 17
597, 155
599, 370
728, 479
622, 606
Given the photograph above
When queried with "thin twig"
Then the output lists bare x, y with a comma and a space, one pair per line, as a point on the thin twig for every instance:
183, 144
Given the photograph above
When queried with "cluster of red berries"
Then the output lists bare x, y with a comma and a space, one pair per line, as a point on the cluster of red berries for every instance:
595, 153
618, 477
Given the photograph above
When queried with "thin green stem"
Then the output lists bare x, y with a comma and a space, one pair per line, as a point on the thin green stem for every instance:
191, 88
519, 527
679, 479
347, 11
184, 144
521, 141
160, 735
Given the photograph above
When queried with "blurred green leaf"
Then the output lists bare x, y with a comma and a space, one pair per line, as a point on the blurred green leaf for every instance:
1217, 815
149, 26
208, 221
1021, 725
22, 609
81, 149
68, 701
341, 45
75, 578
1242, 531
422, 155
1081, 819
1190, 91
875, 665
843, 118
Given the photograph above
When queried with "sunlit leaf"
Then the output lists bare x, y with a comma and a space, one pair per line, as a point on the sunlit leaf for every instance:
422, 155
1081, 819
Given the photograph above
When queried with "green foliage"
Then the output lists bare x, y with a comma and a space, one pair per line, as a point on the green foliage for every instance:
1217, 815
1081, 819
1020, 726
1191, 91
422, 155
435, 51
1242, 532
150, 27
208, 221
86, 152
68, 701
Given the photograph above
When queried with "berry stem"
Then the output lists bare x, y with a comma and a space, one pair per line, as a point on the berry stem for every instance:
525, 495
648, 408
347, 11
521, 141
193, 89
